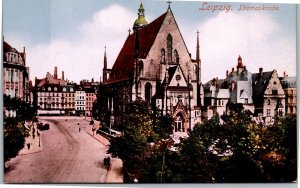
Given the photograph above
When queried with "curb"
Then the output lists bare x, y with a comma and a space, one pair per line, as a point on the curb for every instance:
97, 139
109, 169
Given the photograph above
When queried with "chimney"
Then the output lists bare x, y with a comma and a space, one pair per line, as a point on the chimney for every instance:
284, 74
227, 73
62, 75
260, 71
35, 80
245, 67
55, 72
232, 70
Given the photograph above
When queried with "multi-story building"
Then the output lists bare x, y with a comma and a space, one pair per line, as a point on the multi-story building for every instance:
156, 66
260, 93
268, 95
235, 88
91, 90
15, 73
290, 90
80, 100
54, 96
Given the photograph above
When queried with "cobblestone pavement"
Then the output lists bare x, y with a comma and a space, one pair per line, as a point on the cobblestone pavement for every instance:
65, 155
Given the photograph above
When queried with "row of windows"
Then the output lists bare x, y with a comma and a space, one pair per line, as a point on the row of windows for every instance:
46, 94
80, 108
279, 112
12, 57
12, 75
80, 97
80, 102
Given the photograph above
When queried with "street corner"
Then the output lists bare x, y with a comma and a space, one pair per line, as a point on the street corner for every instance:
32, 145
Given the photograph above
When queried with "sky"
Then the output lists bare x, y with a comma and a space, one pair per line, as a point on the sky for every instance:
72, 34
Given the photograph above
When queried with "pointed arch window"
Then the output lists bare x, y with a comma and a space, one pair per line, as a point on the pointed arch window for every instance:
141, 68
163, 56
169, 48
176, 56
148, 92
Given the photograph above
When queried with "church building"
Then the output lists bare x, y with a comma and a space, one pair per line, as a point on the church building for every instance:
155, 65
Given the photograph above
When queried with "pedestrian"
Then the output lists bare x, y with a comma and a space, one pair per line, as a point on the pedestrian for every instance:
105, 161
28, 146
108, 161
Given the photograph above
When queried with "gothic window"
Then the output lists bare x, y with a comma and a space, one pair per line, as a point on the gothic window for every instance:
163, 56
55, 89
148, 92
49, 88
169, 48
176, 56
195, 69
141, 68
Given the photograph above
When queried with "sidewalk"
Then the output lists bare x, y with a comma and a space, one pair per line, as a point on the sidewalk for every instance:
114, 173
35, 142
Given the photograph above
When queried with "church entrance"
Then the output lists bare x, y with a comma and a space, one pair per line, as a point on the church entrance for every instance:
179, 123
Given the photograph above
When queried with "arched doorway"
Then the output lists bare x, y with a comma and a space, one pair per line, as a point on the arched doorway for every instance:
179, 123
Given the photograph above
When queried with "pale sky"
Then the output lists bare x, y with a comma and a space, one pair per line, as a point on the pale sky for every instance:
71, 34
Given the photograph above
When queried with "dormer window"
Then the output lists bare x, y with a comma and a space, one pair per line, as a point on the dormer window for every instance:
49, 88
55, 89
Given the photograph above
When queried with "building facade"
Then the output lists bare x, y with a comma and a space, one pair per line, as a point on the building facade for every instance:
290, 90
54, 96
261, 94
15, 73
155, 65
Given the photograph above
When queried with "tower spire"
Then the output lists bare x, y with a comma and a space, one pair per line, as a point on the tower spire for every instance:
105, 71
105, 58
141, 20
198, 47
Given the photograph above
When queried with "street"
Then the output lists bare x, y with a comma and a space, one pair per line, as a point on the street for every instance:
68, 156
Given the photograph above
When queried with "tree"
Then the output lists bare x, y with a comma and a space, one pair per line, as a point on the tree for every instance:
279, 160
14, 137
13, 127
131, 148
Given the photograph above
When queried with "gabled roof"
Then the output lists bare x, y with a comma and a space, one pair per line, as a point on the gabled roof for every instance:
9, 48
124, 65
260, 82
49, 80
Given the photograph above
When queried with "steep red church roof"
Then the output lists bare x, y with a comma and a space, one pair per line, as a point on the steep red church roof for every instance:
124, 65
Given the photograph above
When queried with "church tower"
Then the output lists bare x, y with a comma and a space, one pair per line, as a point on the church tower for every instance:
106, 71
198, 74
141, 21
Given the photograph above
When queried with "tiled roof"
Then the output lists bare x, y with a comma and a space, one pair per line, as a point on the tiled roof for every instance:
259, 85
124, 66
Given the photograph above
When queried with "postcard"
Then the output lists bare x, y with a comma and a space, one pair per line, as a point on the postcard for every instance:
134, 92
